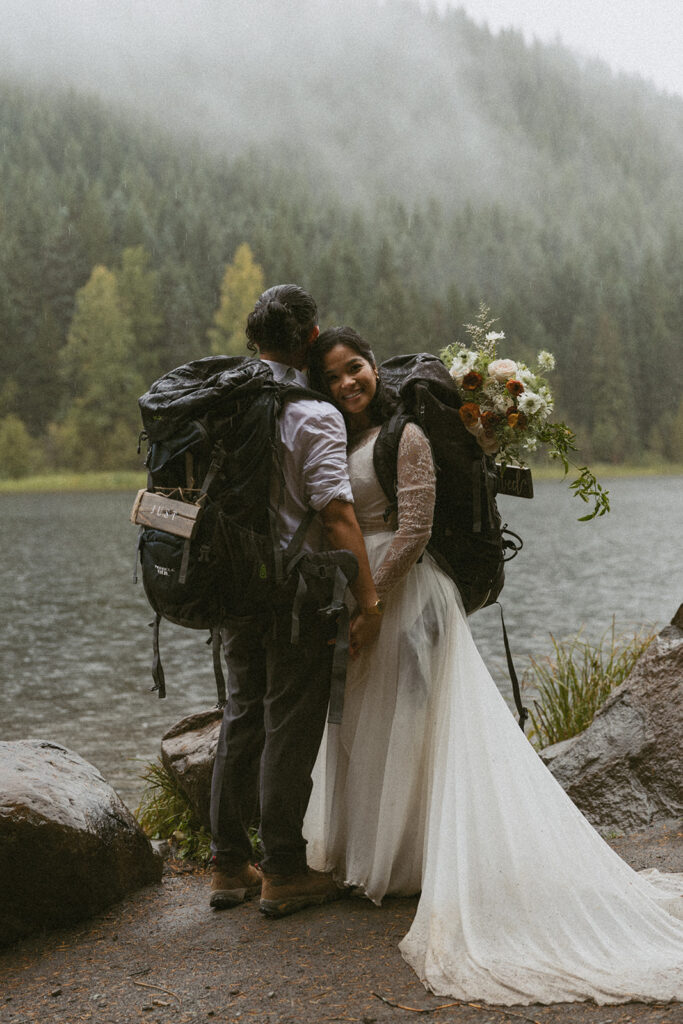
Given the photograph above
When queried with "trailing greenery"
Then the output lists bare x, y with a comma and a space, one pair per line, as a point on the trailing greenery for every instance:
495, 171
165, 813
577, 679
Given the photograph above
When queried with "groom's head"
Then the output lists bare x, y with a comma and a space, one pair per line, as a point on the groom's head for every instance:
282, 324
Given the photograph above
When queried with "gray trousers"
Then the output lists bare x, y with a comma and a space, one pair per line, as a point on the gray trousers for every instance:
273, 724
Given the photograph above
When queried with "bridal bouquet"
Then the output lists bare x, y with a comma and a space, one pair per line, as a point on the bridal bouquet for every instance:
507, 406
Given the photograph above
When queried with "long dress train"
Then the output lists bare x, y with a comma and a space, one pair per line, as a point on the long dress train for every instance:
428, 785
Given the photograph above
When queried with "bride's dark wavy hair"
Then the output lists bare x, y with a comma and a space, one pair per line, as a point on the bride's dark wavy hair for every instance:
282, 320
383, 402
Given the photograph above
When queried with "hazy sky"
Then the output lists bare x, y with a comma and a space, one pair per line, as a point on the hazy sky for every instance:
643, 37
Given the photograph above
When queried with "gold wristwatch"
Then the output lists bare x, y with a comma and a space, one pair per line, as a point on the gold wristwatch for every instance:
375, 609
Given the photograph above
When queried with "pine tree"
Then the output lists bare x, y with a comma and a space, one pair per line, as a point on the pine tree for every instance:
138, 291
98, 365
242, 285
613, 432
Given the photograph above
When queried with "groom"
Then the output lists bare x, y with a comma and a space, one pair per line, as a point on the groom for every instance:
278, 692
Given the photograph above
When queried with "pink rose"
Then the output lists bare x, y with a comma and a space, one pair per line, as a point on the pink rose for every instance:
502, 369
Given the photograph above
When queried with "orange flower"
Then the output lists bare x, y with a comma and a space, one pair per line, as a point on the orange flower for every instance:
516, 418
469, 413
514, 387
472, 380
490, 418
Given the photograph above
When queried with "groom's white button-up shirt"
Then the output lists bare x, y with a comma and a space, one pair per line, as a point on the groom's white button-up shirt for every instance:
312, 455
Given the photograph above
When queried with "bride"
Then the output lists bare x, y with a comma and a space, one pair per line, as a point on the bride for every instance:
428, 785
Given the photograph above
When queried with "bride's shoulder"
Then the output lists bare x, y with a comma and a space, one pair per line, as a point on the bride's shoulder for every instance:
363, 438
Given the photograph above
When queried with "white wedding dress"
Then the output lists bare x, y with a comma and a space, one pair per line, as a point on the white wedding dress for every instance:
429, 785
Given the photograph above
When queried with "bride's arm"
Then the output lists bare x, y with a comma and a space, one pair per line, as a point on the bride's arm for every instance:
416, 485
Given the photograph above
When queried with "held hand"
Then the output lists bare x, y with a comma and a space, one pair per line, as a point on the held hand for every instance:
364, 631
486, 439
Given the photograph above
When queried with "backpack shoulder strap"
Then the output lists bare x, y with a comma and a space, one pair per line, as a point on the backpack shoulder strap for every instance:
385, 453
289, 391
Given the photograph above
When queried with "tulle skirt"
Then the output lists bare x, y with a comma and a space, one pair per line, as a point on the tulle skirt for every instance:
429, 786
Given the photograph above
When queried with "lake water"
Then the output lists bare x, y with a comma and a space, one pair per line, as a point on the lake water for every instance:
75, 650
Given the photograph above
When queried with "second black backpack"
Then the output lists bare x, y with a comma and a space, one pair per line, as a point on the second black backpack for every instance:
468, 539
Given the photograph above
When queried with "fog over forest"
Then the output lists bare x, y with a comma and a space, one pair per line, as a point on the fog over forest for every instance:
375, 98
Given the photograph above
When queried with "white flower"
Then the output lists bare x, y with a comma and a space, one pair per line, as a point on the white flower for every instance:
463, 362
495, 336
531, 444
524, 374
501, 402
502, 369
546, 361
530, 403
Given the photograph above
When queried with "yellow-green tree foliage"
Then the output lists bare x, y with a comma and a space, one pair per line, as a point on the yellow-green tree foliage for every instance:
98, 363
241, 287
138, 290
20, 454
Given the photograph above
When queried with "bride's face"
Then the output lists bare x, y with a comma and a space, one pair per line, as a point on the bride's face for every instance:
352, 381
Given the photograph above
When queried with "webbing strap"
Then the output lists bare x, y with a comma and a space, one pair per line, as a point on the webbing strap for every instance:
337, 608
157, 667
476, 496
296, 543
184, 562
522, 711
301, 589
217, 460
216, 646
341, 651
137, 555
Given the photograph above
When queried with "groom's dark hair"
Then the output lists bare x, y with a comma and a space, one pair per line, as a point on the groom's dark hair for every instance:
282, 320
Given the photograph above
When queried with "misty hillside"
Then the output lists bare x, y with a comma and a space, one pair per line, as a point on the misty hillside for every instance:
402, 165
375, 99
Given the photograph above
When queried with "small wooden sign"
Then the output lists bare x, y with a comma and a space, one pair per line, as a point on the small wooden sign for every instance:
156, 510
515, 480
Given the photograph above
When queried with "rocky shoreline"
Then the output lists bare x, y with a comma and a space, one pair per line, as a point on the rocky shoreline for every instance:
161, 955
92, 929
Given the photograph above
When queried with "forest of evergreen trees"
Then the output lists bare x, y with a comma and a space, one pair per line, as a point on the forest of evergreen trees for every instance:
115, 237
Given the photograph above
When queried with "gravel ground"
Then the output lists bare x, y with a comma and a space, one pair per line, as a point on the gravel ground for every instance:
163, 956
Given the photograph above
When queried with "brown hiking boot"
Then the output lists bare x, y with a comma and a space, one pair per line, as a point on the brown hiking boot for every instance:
285, 894
227, 890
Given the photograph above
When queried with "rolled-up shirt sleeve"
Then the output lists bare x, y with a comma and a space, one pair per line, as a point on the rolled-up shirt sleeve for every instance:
324, 470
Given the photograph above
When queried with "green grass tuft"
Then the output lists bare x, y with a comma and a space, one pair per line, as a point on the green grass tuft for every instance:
166, 813
577, 679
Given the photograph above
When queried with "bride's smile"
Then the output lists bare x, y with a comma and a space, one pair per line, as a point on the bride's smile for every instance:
352, 382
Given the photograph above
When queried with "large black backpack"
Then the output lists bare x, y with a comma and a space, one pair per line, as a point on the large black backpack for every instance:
208, 548
469, 541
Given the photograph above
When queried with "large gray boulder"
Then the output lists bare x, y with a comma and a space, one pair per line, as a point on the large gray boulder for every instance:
188, 751
625, 770
68, 846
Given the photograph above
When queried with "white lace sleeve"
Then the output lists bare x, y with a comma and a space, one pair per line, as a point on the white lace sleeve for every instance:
416, 493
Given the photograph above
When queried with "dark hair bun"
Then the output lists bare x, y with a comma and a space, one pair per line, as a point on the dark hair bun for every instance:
282, 319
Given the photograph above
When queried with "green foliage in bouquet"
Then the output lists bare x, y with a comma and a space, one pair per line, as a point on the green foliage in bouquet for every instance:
507, 406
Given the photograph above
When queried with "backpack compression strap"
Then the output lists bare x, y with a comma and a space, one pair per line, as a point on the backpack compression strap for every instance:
521, 710
217, 460
338, 568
